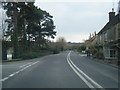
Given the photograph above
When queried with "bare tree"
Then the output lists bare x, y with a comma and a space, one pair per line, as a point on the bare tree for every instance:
61, 44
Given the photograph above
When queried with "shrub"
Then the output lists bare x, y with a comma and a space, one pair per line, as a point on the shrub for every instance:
55, 51
31, 55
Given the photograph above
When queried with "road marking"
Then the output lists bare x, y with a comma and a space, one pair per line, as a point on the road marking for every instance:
82, 75
91, 86
95, 83
83, 55
4, 79
25, 65
13, 74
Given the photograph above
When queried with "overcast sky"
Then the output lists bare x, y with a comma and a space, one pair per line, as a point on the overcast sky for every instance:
76, 20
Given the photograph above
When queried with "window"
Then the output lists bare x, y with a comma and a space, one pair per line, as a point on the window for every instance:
119, 31
105, 37
111, 34
110, 53
100, 38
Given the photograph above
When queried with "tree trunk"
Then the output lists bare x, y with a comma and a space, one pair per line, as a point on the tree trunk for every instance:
25, 44
15, 33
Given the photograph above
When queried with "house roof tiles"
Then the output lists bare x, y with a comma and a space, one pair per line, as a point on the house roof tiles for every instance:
110, 24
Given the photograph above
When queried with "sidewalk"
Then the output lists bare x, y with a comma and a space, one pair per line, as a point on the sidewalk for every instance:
107, 62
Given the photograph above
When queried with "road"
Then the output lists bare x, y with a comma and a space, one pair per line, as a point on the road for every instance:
64, 70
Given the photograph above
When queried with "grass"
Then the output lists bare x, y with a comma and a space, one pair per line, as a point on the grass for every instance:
19, 59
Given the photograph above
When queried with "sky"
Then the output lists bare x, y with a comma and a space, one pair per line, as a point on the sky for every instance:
76, 19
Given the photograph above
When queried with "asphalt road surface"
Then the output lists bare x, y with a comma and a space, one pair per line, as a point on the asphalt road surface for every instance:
64, 70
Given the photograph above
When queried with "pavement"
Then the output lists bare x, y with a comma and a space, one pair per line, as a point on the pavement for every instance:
64, 70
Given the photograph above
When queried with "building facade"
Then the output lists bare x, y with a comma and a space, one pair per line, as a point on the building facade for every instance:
109, 38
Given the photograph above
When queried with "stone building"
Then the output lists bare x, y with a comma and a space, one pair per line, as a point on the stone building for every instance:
107, 40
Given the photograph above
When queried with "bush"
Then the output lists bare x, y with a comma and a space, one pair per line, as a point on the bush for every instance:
31, 55
55, 51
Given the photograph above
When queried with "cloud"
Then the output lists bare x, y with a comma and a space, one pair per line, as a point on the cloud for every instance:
78, 37
76, 20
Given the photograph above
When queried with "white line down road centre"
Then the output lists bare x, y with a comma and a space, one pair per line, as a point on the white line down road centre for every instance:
89, 81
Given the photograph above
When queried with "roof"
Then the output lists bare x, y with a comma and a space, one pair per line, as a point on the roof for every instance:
110, 24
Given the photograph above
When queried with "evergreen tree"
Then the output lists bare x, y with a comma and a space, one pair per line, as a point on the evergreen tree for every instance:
27, 24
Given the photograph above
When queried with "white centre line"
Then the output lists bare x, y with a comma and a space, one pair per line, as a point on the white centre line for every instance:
89, 81
89, 84
13, 74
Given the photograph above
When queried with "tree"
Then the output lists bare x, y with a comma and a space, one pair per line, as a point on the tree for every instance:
12, 12
27, 24
61, 44
82, 48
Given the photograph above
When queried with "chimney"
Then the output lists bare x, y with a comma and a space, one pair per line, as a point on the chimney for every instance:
111, 14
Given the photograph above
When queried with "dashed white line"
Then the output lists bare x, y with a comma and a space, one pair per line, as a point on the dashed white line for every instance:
4, 79
13, 74
25, 65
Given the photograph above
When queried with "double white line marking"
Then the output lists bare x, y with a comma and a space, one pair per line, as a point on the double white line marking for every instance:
13, 74
90, 82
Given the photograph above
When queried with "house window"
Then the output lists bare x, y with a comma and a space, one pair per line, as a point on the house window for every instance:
118, 31
111, 34
105, 39
100, 38
110, 53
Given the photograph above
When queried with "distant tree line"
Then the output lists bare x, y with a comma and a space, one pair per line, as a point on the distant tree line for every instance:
27, 28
